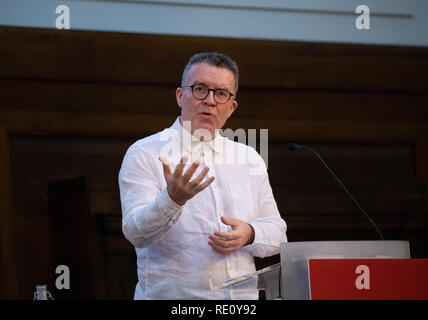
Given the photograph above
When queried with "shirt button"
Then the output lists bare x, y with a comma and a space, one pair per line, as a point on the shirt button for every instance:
230, 268
220, 213
214, 186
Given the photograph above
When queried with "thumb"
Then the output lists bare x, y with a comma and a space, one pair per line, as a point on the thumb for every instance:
167, 172
228, 221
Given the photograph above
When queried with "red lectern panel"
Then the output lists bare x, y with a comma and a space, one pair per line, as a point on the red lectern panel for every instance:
368, 279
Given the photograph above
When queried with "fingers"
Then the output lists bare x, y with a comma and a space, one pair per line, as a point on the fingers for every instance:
166, 168
179, 186
191, 170
201, 176
178, 172
227, 235
224, 247
179, 168
225, 242
202, 186
228, 242
230, 221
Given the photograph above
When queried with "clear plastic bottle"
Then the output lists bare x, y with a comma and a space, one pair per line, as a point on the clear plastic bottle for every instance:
42, 293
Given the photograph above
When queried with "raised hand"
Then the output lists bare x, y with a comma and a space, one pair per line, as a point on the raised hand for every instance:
179, 186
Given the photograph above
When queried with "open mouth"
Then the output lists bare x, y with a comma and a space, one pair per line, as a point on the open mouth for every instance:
206, 114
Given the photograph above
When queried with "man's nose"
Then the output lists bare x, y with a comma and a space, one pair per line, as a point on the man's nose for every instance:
209, 100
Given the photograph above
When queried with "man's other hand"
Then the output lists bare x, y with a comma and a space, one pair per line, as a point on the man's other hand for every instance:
228, 242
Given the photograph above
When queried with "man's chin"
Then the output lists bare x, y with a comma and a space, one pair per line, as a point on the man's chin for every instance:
204, 130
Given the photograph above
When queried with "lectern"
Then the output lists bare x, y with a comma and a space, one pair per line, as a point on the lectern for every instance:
331, 265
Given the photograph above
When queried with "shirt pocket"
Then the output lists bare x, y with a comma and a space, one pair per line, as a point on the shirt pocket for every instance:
243, 201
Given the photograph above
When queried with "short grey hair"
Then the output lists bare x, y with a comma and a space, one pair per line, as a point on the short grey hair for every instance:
215, 59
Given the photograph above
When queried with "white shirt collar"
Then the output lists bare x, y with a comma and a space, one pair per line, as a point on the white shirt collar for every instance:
192, 143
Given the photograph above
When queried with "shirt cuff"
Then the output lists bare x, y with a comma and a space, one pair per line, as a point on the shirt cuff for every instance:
164, 211
260, 247
256, 234
166, 205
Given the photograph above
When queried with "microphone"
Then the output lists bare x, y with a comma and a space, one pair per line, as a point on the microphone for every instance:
294, 146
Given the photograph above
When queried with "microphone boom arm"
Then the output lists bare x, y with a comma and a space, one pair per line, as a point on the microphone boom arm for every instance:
294, 146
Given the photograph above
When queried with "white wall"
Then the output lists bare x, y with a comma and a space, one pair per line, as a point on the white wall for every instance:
395, 22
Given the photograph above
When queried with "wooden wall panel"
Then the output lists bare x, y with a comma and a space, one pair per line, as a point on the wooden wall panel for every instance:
159, 59
9, 285
252, 102
71, 102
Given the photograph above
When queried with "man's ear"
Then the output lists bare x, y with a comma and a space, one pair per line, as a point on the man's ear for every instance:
233, 107
179, 96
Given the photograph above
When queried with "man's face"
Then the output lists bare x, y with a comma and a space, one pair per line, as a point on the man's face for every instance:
206, 114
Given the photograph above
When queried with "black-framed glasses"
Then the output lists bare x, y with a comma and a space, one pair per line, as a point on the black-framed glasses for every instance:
200, 92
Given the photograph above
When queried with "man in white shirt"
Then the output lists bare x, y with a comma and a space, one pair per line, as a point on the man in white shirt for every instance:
188, 227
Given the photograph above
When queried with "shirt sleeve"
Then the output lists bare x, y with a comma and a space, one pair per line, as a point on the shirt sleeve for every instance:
147, 209
269, 228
